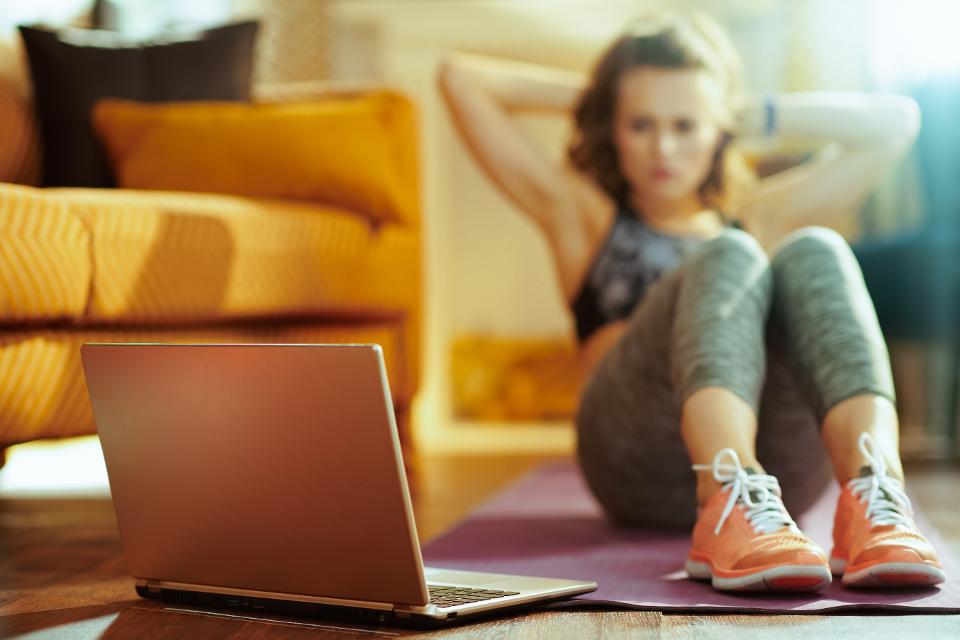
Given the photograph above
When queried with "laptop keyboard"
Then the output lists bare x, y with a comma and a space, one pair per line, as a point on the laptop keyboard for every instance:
447, 596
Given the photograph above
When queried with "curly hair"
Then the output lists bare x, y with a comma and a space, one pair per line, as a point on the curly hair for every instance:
668, 40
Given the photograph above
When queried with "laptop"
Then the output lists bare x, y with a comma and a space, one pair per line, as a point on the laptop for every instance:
270, 477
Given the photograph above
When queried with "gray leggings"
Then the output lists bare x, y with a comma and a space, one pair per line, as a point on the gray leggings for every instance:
793, 336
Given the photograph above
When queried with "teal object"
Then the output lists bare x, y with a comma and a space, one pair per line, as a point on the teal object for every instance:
914, 281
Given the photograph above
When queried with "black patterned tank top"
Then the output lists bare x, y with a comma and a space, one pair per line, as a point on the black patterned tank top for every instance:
633, 256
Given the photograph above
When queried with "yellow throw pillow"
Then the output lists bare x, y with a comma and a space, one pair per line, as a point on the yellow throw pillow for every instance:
356, 152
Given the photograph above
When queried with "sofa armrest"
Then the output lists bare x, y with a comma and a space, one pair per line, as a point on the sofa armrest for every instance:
20, 140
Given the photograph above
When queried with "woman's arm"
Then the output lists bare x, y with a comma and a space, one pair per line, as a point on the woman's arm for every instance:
848, 118
599, 343
865, 135
481, 93
519, 86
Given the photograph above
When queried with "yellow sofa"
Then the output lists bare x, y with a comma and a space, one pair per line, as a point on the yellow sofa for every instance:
136, 265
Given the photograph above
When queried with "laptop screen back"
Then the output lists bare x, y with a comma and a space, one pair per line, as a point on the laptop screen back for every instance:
263, 467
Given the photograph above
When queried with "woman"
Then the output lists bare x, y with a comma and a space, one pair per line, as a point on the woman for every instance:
700, 348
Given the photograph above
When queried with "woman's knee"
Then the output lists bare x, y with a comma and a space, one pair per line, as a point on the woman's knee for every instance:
809, 242
733, 256
733, 243
816, 255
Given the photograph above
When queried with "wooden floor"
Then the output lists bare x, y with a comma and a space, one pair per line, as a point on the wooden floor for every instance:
62, 575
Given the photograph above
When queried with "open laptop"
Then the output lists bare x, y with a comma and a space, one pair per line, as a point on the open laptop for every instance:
269, 476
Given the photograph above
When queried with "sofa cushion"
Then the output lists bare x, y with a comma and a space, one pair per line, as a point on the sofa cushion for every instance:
73, 68
174, 257
356, 152
45, 267
42, 390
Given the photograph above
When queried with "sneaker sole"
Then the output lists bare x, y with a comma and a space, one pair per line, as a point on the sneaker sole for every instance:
803, 577
890, 575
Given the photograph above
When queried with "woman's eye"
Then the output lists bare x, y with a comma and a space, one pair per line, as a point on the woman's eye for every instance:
640, 125
685, 126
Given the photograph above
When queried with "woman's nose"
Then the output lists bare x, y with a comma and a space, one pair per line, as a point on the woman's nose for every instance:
664, 143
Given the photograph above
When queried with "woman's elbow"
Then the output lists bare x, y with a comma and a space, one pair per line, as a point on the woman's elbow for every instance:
450, 76
442, 74
906, 126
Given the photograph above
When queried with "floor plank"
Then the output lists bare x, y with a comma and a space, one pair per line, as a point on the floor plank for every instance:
62, 575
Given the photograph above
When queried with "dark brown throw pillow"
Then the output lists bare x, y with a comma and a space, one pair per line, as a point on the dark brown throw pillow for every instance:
73, 68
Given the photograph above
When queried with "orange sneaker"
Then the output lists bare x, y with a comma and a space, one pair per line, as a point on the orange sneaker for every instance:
875, 540
744, 539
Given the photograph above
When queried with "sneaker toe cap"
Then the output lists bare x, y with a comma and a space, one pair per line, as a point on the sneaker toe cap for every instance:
780, 557
895, 553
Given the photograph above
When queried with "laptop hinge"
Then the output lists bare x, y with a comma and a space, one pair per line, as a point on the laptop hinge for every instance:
152, 588
409, 610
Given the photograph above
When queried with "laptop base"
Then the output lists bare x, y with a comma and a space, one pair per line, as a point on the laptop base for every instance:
232, 604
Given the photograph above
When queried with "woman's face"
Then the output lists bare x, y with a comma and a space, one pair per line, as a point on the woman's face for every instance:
667, 129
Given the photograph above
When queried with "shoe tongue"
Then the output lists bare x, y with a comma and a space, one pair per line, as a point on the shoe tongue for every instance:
866, 471
754, 493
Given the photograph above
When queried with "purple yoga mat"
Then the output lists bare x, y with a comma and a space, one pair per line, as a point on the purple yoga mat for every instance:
548, 524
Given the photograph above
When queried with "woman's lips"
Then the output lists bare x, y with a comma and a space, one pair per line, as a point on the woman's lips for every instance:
662, 174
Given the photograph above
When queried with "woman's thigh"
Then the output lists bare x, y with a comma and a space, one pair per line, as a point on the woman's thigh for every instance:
628, 435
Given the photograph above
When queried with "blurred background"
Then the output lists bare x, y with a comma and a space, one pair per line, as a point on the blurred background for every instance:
496, 354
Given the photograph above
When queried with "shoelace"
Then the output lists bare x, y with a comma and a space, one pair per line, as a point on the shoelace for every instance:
887, 501
766, 512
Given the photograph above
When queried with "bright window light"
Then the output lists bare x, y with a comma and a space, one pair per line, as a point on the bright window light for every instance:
914, 40
72, 467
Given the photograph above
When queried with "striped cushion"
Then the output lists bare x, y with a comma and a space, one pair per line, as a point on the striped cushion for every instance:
44, 257
168, 256
42, 390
